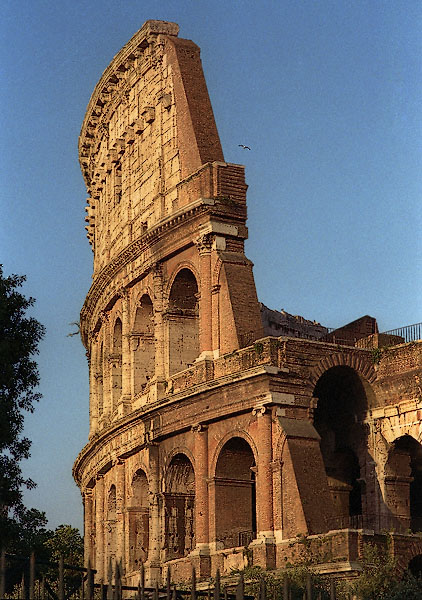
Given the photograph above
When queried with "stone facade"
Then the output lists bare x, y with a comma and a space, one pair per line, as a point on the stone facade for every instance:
210, 444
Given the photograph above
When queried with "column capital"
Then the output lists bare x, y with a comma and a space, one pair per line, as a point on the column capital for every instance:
199, 428
204, 243
259, 411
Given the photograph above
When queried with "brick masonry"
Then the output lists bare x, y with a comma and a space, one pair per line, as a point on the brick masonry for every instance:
210, 444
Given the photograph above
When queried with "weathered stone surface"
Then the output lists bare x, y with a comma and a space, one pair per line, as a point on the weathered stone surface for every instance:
205, 436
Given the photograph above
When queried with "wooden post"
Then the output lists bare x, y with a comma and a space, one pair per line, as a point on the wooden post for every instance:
240, 588
332, 589
2, 574
142, 582
110, 581
193, 585
61, 578
168, 584
308, 586
23, 590
217, 585
286, 591
32, 576
262, 590
89, 582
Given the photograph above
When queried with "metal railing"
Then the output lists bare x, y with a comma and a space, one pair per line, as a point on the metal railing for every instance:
410, 333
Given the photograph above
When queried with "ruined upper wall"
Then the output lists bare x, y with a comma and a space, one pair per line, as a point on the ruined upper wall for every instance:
149, 126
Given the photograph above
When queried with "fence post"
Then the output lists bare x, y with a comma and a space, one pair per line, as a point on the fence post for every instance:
262, 589
89, 582
110, 580
217, 585
3, 574
168, 584
193, 585
240, 588
142, 582
32, 576
61, 578
23, 590
332, 589
286, 586
308, 586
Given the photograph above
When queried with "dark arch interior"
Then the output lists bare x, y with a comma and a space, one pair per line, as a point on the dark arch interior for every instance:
179, 507
405, 462
415, 566
235, 499
138, 520
183, 294
342, 401
183, 321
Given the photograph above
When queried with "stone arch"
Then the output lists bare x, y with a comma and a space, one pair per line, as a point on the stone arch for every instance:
143, 343
139, 516
406, 555
179, 506
184, 265
394, 427
403, 485
360, 363
341, 402
182, 318
227, 437
116, 361
234, 493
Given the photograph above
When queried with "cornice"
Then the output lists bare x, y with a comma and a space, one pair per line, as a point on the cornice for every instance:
166, 404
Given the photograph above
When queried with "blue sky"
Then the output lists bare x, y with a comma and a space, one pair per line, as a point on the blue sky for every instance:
326, 93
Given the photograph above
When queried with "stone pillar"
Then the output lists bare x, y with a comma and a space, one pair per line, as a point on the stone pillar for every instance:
201, 554
215, 311
93, 399
264, 545
203, 244
88, 545
120, 510
99, 528
107, 370
157, 277
152, 565
125, 401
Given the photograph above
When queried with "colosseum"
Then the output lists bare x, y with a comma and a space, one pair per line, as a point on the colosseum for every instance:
222, 433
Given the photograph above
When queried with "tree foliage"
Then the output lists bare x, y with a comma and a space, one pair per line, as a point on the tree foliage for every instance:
19, 339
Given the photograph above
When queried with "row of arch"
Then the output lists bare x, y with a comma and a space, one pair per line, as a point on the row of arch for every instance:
343, 398
384, 496
234, 484
181, 319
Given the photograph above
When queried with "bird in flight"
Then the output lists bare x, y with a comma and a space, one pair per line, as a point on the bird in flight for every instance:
244, 147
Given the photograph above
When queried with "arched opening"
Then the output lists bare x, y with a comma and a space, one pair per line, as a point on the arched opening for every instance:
111, 523
403, 483
116, 363
138, 513
183, 321
338, 418
235, 500
143, 344
415, 566
179, 507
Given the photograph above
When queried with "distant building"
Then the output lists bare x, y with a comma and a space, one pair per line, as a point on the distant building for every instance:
220, 430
